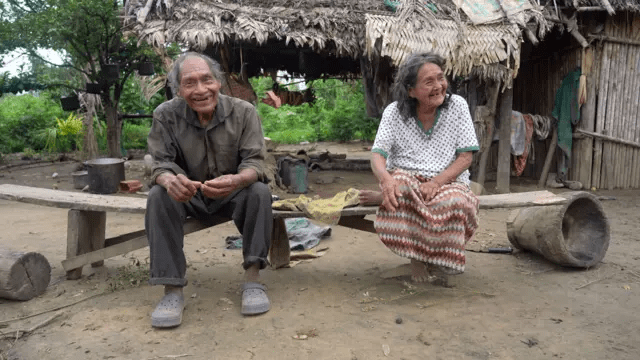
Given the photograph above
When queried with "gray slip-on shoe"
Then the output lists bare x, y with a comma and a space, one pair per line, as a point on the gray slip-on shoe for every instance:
254, 299
168, 312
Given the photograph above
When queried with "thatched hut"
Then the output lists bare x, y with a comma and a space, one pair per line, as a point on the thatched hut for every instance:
487, 45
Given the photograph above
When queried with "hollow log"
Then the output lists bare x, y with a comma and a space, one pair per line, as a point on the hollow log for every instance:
23, 276
574, 234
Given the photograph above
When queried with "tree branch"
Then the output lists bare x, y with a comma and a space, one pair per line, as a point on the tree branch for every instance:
65, 65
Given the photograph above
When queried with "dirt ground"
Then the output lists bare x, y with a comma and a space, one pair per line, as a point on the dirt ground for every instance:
505, 306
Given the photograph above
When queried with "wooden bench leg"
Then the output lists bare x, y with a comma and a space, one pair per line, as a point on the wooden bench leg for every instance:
85, 232
280, 252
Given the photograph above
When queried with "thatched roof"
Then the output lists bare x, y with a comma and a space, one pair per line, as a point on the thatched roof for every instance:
354, 28
337, 30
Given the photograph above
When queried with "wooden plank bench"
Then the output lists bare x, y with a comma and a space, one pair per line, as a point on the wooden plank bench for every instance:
86, 224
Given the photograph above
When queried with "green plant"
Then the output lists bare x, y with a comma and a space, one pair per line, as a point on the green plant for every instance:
29, 153
338, 113
134, 136
23, 117
64, 136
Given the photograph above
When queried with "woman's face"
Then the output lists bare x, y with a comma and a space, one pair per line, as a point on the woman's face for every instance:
431, 86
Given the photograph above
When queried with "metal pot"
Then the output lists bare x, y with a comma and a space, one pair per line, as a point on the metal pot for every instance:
105, 175
80, 179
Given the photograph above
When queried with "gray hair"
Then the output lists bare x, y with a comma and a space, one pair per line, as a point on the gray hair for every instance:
175, 74
406, 79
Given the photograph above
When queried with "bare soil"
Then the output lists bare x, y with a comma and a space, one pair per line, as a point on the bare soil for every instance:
505, 306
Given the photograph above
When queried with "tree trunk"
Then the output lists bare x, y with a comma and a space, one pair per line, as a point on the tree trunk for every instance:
114, 131
89, 144
23, 276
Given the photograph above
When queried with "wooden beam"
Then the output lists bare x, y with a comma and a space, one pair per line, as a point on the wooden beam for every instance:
608, 138
357, 222
614, 39
504, 146
77, 262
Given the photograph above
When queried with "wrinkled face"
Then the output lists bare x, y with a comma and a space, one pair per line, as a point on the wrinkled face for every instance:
198, 86
431, 86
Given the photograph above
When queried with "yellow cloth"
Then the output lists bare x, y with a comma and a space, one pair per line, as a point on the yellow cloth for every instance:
325, 210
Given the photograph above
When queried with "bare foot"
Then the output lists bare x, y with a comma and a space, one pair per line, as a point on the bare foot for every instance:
370, 197
419, 271
423, 272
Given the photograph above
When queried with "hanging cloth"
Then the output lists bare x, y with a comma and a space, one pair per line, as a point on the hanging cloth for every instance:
567, 113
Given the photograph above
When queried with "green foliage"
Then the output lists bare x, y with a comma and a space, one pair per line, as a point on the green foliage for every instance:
90, 35
22, 118
132, 101
338, 113
134, 136
64, 136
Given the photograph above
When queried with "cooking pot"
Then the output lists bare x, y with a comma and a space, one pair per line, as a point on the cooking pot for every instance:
105, 175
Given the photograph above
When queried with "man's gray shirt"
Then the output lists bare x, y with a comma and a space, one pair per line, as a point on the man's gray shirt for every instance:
232, 141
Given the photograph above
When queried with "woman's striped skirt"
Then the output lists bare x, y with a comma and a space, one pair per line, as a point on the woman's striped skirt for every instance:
434, 232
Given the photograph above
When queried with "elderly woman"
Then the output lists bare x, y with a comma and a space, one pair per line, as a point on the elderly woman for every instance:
420, 156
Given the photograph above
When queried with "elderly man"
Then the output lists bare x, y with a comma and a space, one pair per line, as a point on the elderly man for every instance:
208, 160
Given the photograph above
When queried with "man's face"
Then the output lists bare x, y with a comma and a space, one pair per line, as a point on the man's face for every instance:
198, 86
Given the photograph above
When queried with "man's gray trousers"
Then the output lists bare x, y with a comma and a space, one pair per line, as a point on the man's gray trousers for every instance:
249, 208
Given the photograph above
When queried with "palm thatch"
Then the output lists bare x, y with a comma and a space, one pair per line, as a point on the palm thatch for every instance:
361, 28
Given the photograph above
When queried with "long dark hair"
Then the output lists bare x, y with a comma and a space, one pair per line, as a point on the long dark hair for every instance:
406, 79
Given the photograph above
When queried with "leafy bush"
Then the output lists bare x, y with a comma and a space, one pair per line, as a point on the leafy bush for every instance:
132, 101
338, 113
134, 136
65, 136
22, 118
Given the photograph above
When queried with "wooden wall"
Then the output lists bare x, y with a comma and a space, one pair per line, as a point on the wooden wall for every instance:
612, 67
617, 75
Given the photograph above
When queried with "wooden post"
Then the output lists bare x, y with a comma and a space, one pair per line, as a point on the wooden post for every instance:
85, 230
584, 147
23, 276
280, 252
504, 146
488, 113
603, 87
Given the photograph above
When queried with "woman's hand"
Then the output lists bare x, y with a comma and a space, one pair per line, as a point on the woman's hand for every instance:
390, 194
429, 189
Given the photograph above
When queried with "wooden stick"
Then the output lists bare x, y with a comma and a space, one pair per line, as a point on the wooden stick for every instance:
504, 146
603, 85
549, 159
611, 96
592, 282
587, 121
20, 333
54, 309
636, 159
618, 118
627, 131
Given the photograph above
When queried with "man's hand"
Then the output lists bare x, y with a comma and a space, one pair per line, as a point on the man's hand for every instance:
179, 187
390, 194
220, 186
